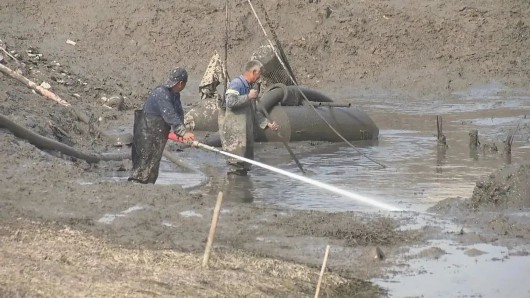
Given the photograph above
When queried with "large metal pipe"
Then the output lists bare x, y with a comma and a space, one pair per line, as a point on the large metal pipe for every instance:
302, 124
298, 123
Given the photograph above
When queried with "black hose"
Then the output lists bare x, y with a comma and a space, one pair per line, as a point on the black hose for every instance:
289, 95
49, 144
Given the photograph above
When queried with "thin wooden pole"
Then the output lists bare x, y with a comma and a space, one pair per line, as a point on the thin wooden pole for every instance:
284, 142
48, 94
326, 254
213, 227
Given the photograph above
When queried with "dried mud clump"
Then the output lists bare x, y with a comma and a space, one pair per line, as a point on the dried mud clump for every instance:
352, 230
507, 188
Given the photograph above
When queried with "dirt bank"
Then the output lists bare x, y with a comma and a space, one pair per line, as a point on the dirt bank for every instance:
141, 240
417, 46
507, 188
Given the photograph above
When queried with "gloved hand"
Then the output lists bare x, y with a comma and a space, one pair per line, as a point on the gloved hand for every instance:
172, 136
188, 137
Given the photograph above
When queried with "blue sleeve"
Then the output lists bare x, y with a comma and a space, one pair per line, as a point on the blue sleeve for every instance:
169, 107
236, 97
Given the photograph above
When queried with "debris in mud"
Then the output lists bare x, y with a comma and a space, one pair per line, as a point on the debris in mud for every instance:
377, 253
473, 252
505, 226
431, 253
508, 187
45, 85
345, 226
113, 102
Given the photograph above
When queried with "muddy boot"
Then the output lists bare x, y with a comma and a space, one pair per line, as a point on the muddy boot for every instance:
150, 137
237, 137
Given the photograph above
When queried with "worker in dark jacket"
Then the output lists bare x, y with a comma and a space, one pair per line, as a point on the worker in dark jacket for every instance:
239, 117
162, 113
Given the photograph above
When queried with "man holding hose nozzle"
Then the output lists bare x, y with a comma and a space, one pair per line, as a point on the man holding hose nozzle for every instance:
162, 113
238, 116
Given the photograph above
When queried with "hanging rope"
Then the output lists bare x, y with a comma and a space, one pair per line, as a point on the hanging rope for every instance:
306, 100
225, 58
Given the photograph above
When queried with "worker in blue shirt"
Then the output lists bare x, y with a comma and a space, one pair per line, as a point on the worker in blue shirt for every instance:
239, 116
162, 113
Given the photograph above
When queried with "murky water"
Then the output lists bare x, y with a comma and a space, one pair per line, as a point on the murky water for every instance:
417, 176
442, 268
417, 173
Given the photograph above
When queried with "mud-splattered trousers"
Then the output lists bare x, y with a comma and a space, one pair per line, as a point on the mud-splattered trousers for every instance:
162, 112
237, 122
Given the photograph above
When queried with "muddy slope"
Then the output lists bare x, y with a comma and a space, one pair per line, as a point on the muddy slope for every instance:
507, 188
425, 46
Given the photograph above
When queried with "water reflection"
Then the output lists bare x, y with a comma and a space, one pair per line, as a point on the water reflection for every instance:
238, 188
440, 158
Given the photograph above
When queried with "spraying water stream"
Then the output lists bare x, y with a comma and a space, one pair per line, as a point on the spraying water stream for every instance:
319, 184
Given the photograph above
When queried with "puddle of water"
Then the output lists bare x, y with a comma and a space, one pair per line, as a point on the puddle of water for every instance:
417, 175
495, 121
108, 218
479, 270
167, 224
190, 213
169, 174
484, 97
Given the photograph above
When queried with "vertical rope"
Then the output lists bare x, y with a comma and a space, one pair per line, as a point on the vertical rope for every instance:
306, 100
225, 58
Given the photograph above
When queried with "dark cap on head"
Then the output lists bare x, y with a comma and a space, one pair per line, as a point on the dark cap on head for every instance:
176, 75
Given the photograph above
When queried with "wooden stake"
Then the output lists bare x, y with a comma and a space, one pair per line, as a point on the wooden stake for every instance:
213, 227
473, 139
326, 254
48, 94
440, 135
8, 54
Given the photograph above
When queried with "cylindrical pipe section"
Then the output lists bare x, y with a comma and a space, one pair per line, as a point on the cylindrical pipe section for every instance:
203, 117
303, 124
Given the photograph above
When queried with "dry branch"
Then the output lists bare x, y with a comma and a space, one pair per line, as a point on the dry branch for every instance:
48, 94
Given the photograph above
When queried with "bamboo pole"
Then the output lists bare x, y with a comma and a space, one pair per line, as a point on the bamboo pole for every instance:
213, 227
326, 254
8, 54
48, 94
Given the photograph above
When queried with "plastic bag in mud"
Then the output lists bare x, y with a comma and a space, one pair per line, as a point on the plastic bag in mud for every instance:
149, 140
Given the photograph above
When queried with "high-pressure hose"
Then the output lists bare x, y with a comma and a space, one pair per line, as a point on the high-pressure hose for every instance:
49, 144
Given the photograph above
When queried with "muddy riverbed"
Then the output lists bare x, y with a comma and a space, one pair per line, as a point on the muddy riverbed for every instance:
438, 246
68, 228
